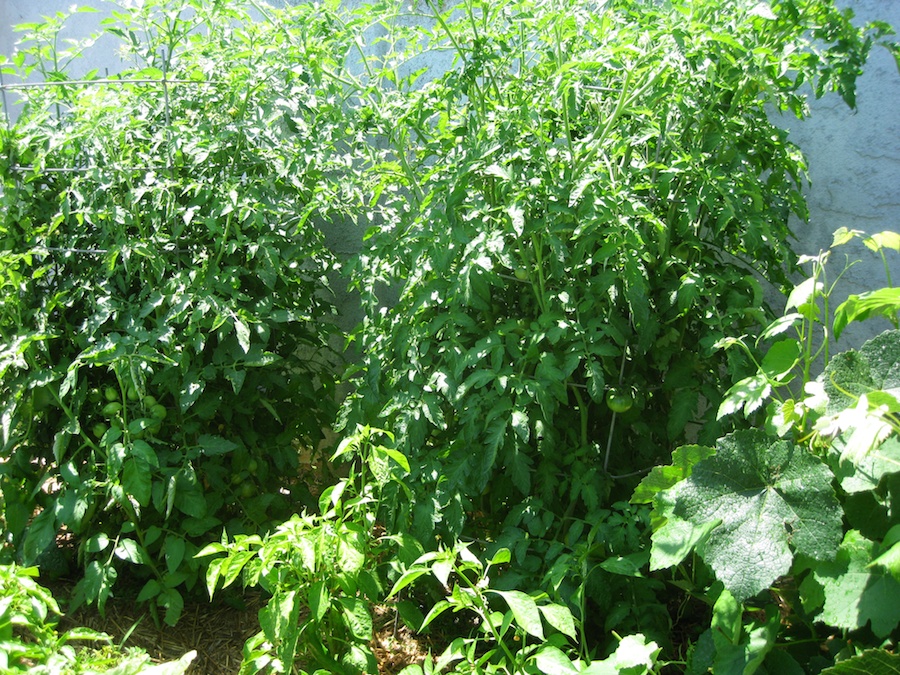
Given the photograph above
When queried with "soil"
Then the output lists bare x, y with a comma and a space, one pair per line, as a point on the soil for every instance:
217, 631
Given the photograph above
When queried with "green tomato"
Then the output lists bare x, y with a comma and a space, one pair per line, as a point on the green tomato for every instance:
619, 400
248, 489
149, 401
111, 394
132, 394
521, 274
99, 429
158, 412
112, 409
252, 466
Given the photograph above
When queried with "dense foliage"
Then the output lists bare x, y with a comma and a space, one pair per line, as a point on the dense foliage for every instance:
575, 214
165, 320
568, 224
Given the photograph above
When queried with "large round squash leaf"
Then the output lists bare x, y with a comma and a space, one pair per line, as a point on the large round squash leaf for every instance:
768, 499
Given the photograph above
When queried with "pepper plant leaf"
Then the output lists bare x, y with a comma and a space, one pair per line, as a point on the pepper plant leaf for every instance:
769, 497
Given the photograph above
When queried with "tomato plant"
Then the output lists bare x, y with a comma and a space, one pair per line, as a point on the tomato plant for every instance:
165, 312
585, 198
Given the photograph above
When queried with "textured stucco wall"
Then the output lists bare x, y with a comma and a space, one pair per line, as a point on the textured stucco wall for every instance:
854, 156
854, 166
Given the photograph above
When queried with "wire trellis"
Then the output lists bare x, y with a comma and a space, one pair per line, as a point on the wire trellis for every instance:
164, 82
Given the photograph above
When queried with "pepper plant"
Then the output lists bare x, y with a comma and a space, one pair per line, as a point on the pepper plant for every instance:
166, 321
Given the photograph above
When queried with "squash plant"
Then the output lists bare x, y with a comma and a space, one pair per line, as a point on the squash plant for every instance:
165, 317
795, 521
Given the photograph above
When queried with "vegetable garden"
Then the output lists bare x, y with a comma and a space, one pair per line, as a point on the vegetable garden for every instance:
570, 433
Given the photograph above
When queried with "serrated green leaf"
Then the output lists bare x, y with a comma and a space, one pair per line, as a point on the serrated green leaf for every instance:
851, 374
628, 565
41, 534
675, 539
242, 331
211, 445
663, 477
136, 480
747, 395
870, 662
130, 551
596, 382
855, 593
770, 497
881, 240
858, 473
884, 302
681, 412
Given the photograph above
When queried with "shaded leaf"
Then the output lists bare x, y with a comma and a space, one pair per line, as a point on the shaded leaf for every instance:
855, 593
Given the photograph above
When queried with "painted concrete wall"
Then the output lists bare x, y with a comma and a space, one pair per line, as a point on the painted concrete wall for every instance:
854, 156
854, 164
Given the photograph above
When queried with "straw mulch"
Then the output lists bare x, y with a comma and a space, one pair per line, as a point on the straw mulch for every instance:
217, 631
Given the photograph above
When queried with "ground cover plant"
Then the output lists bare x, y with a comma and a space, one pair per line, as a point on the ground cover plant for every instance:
795, 518
568, 231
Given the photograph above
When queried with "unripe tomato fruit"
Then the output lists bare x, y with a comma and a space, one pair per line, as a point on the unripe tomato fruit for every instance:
158, 412
149, 401
99, 429
112, 408
111, 394
521, 274
619, 400
132, 394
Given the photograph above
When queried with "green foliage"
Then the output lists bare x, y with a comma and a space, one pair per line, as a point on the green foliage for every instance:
165, 316
29, 641
769, 500
873, 662
802, 509
574, 213
318, 567
566, 226
525, 634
